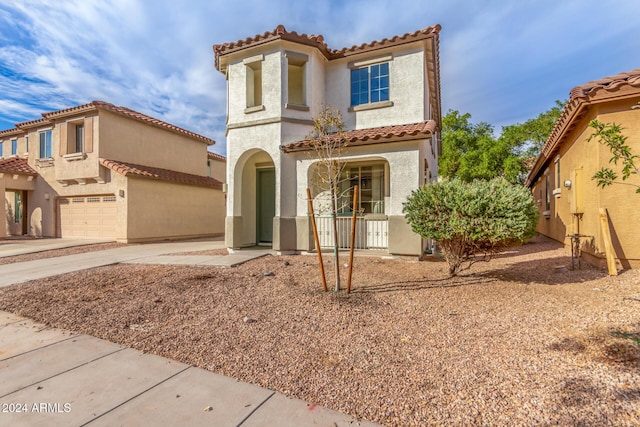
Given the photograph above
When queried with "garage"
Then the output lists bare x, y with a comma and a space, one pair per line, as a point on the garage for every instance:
88, 216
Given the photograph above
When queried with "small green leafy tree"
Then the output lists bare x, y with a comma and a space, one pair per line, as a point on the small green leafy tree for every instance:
610, 134
472, 221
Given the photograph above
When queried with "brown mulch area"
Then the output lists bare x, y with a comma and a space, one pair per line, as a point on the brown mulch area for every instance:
511, 342
60, 252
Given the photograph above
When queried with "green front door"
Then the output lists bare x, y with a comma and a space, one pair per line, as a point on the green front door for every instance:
265, 204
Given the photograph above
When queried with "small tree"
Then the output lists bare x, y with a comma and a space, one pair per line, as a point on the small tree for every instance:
327, 141
610, 134
472, 221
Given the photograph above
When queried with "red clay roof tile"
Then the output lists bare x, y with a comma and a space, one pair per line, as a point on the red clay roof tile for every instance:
373, 135
131, 169
16, 165
216, 156
317, 41
581, 97
49, 118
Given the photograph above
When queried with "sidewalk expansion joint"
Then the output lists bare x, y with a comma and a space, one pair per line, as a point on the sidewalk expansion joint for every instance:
65, 371
39, 348
256, 408
137, 395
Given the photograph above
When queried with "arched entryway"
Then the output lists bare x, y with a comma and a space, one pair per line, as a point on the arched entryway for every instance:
254, 199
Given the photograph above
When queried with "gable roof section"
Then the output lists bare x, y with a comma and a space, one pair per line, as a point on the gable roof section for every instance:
16, 165
373, 136
93, 106
317, 41
619, 86
148, 172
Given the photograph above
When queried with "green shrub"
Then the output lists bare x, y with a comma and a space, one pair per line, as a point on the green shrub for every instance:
472, 221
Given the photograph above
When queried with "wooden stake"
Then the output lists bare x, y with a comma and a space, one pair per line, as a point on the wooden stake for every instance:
315, 236
353, 236
608, 246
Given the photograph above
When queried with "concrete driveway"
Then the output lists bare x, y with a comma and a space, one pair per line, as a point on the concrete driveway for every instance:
148, 253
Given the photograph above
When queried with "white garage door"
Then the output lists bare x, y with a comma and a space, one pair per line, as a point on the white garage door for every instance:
89, 216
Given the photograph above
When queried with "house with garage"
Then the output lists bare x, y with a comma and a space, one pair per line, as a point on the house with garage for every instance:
388, 93
568, 197
102, 171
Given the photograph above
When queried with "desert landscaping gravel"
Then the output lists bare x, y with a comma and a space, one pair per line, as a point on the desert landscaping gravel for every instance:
520, 340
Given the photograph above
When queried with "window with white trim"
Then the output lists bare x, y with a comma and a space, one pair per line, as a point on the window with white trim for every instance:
45, 144
370, 180
370, 84
14, 147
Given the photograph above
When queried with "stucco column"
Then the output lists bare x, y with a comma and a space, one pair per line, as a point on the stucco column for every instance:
3, 209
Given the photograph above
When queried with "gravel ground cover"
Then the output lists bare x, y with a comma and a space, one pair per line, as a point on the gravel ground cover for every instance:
60, 252
515, 341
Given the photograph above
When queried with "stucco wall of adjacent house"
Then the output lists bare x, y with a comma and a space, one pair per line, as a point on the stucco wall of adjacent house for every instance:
407, 84
132, 141
579, 161
164, 210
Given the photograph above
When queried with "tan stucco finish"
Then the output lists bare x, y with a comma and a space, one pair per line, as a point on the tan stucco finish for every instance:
575, 209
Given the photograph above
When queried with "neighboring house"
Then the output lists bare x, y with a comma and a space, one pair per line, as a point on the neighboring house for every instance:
561, 180
98, 170
389, 95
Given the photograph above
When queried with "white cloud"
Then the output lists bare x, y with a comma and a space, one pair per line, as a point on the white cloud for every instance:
501, 61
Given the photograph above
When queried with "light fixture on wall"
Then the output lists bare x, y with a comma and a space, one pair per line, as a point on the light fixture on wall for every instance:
567, 183
121, 193
46, 196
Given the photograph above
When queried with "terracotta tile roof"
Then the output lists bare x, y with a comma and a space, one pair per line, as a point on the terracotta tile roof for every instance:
11, 132
317, 41
216, 156
611, 83
619, 86
16, 165
50, 117
374, 135
130, 169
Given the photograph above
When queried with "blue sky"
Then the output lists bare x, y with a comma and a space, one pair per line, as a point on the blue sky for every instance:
502, 61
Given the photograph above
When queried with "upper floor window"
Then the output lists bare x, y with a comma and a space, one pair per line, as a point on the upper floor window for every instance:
45, 144
253, 69
79, 138
370, 84
26, 141
1, 149
296, 64
14, 147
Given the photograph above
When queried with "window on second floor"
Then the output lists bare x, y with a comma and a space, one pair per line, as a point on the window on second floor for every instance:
253, 69
370, 84
296, 64
1, 149
45, 144
14, 147
78, 143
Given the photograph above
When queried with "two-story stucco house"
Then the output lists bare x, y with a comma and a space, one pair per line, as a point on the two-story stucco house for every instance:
569, 199
388, 93
103, 171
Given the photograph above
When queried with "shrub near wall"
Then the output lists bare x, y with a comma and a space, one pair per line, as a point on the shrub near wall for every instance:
472, 221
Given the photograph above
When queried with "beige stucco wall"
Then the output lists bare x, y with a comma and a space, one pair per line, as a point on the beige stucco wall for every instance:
163, 210
136, 142
621, 201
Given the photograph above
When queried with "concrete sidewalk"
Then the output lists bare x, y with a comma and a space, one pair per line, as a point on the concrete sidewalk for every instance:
148, 253
12, 247
54, 377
